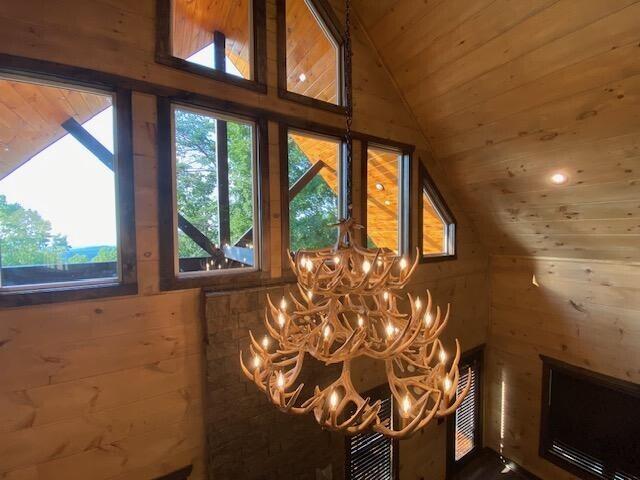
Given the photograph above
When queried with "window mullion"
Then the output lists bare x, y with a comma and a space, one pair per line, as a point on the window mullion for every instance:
222, 154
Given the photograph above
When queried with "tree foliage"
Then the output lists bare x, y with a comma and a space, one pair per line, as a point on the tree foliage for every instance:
26, 238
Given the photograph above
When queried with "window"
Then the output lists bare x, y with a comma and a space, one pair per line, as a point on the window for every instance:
386, 174
213, 38
370, 454
313, 163
61, 181
437, 225
215, 203
590, 423
311, 56
465, 425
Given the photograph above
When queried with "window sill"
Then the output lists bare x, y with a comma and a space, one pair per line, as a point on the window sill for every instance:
311, 102
194, 68
223, 282
67, 293
437, 258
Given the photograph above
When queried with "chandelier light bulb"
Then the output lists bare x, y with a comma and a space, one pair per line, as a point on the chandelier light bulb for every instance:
283, 304
256, 361
333, 400
309, 265
336, 260
366, 266
326, 332
281, 319
385, 295
265, 342
447, 384
379, 262
428, 319
418, 304
310, 294
390, 330
443, 357
280, 381
406, 405
360, 321
403, 263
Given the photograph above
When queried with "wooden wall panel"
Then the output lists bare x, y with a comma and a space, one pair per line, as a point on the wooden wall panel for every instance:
112, 389
582, 312
508, 93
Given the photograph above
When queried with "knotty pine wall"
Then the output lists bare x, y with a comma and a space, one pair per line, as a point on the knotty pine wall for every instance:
584, 312
113, 388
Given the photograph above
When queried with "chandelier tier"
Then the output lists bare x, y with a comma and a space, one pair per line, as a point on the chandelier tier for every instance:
346, 307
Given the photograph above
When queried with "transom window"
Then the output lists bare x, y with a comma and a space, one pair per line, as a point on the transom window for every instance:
215, 192
312, 52
313, 165
59, 160
223, 39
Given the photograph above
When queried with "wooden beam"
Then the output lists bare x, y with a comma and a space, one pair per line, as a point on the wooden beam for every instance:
219, 54
105, 156
305, 179
223, 181
88, 141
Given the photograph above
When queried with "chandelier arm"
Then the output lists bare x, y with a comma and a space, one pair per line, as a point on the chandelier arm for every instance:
460, 398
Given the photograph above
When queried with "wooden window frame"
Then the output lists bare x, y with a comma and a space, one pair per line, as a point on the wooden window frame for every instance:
426, 184
164, 53
167, 224
328, 17
472, 356
404, 218
549, 364
305, 129
374, 393
126, 282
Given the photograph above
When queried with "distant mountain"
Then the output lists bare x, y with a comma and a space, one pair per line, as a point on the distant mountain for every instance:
89, 252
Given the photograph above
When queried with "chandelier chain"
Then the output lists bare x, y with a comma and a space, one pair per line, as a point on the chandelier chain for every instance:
348, 54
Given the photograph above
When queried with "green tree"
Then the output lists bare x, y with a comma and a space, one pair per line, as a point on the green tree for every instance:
77, 258
106, 254
313, 209
26, 237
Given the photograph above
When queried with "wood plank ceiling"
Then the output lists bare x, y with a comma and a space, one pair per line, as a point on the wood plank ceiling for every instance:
509, 92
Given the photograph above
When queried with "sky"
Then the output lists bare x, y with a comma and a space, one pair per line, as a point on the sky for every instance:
68, 186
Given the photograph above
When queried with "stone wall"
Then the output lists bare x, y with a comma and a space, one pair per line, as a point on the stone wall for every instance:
247, 437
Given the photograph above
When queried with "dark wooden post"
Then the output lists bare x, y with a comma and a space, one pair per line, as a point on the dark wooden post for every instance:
223, 182
219, 54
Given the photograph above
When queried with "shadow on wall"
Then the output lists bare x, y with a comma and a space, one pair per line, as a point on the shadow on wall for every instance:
580, 312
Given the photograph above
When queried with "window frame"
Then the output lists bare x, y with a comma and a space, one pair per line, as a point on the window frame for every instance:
548, 365
426, 184
475, 357
375, 393
404, 186
258, 60
170, 278
318, 131
323, 10
126, 283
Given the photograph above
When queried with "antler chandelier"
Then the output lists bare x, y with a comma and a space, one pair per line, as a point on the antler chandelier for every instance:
347, 307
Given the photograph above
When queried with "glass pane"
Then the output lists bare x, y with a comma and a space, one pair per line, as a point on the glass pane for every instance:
313, 191
57, 198
433, 229
215, 192
312, 54
194, 23
383, 198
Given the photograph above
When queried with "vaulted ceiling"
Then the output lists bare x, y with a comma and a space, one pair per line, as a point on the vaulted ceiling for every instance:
508, 92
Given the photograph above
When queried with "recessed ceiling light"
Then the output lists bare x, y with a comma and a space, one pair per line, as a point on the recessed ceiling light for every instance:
558, 178
379, 187
387, 202
302, 77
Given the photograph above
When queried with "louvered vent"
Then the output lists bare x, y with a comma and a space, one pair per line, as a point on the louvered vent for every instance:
370, 454
587, 462
466, 417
